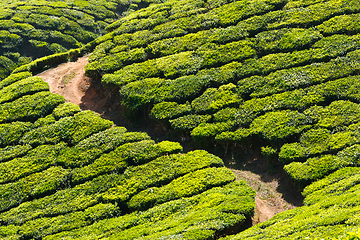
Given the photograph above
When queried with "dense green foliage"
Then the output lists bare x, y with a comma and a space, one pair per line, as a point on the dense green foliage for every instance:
225, 73
64, 171
33, 29
285, 72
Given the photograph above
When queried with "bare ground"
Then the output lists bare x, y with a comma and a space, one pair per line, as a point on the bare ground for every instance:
274, 191
69, 80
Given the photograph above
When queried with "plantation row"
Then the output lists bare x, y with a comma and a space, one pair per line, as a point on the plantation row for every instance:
32, 29
65, 171
124, 49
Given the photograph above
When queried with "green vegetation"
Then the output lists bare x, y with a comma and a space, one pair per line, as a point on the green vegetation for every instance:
64, 170
281, 75
331, 210
33, 29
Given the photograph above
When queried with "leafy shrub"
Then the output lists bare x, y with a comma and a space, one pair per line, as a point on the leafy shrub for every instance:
77, 198
169, 110
217, 209
10, 152
11, 133
65, 110
30, 107
189, 122
88, 150
286, 39
35, 185
23, 87
123, 156
50, 225
159, 171
36, 160
185, 186
214, 99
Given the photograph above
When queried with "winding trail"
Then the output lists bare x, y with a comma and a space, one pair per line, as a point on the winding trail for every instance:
69, 80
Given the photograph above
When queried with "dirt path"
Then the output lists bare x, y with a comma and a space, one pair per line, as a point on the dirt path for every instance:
274, 193
262, 211
269, 201
69, 80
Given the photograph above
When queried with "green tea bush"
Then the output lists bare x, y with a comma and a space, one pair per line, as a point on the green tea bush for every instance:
49, 119
341, 24
35, 185
68, 129
36, 160
77, 198
185, 186
50, 225
285, 80
282, 72
169, 110
14, 78
123, 156
183, 63
159, 171
65, 110
145, 91
11, 152
38, 29
189, 122
185, 88
27, 86
299, 99
206, 130
214, 99
283, 40
279, 125
318, 167
81, 155
331, 211
343, 180
319, 141
338, 114
216, 209
11, 133
30, 107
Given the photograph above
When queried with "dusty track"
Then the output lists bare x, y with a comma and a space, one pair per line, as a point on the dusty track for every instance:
69, 80
275, 193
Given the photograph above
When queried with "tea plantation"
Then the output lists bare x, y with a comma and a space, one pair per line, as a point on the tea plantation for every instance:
280, 73
67, 173
32, 28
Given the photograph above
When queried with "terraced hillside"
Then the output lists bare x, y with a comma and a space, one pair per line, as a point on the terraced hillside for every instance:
69, 173
32, 29
283, 74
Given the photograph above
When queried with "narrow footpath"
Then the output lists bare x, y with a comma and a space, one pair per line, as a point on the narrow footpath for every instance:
69, 80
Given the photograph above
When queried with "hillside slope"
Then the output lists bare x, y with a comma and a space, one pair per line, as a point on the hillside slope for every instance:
73, 174
33, 29
279, 74
283, 73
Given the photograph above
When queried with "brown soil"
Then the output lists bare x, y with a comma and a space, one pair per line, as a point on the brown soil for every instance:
69, 80
274, 191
